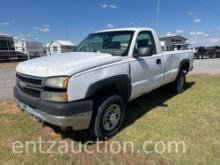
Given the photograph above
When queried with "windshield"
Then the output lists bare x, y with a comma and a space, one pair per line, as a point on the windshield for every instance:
114, 43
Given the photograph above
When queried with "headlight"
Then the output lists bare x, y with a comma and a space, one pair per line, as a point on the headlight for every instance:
54, 96
57, 82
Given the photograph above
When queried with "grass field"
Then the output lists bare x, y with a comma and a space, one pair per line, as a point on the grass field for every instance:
192, 117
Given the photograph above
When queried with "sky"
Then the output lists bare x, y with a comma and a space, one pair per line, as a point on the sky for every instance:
45, 20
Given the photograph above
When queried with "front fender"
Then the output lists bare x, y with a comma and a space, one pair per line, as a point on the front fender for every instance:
85, 84
121, 81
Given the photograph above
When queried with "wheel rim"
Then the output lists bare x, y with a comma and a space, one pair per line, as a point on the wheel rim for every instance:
112, 117
180, 84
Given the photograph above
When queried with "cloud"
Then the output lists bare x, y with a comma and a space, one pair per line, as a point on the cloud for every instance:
169, 34
197, 20
16, 37
196, 33
190, 13
6, 34
23, 37
109, 6
179, 31
45, 28
5, 23
110, 26
103, 5
202, 34
36, 28
214, 40
112, 6
204, 40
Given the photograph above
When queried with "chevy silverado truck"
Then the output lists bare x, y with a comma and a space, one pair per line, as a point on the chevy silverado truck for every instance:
90, 88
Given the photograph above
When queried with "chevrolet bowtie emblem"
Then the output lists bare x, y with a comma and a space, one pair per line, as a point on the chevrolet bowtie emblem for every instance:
21, 83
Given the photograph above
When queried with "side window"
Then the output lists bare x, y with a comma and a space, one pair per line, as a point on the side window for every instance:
145, 39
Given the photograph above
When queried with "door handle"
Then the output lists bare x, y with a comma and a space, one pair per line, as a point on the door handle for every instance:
158, 61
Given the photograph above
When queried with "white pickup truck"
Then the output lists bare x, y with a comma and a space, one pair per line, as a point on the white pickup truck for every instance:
90, 88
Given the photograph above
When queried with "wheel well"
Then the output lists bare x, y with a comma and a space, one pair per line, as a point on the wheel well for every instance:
119, 84
119, 88
185, 66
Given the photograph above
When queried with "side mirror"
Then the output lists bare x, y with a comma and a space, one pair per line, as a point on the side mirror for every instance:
144, 51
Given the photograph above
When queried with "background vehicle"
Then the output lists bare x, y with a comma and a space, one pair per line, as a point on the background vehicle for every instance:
90, 88
207, 52
201, 52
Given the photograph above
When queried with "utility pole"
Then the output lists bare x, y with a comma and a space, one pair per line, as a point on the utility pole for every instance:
65, 26
158, 15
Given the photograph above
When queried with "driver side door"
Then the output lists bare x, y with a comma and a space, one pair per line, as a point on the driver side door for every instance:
146, 71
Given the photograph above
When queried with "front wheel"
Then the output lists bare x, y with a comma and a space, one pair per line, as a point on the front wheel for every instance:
109, 117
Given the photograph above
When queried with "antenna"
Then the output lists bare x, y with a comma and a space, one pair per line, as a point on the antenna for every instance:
158, 15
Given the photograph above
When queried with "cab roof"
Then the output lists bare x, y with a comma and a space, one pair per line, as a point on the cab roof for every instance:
126, 29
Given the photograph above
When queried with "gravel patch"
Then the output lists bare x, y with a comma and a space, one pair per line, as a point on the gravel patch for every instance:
7, 80
206, 66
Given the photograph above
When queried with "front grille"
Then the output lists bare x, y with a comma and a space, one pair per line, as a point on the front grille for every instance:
30, 92
29, 79
29, 85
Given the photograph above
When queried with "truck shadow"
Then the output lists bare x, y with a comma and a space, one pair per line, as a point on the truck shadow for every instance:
136, 109
146, 103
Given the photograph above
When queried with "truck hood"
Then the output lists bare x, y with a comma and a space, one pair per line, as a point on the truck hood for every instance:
64, 64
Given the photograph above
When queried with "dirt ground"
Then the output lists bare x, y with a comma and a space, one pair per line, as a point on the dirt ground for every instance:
11, 107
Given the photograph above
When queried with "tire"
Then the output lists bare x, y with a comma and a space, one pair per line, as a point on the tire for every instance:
108, 118
179, 83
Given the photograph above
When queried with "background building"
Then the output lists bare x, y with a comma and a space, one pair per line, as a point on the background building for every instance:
30, 48
60, 46
7, 48
174, 43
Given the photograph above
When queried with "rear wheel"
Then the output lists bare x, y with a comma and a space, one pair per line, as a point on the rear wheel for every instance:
179, 83
109, 117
